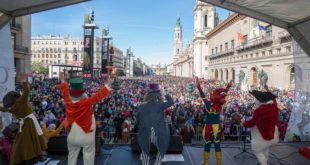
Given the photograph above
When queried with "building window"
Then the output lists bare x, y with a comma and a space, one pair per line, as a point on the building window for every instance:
206, 58
212, 51
251, 55
59, 50
270, 52
13, 37
232, 42
46, 61
215, 50
51, 56
221, 48
59, 56
269, 31
292, 76
42, 61
178, 51
75, 57
206, 20
206, 68
58, 61
245, 38
263, 53
226, 46
278, 50
288, 49
257, 55
34, 55
55, 56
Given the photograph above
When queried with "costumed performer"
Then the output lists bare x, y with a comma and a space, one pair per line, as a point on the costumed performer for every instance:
264, 124
81, 119
152, 127
29, 141
212, 131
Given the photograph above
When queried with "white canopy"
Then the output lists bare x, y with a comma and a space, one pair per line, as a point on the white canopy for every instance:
14, 8
294, 16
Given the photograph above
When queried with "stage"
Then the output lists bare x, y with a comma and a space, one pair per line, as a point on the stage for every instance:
282, 154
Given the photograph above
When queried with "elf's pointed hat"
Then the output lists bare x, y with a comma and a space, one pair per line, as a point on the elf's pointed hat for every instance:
263, 96
76, 87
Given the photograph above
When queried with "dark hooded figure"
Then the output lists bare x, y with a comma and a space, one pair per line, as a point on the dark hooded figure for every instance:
152, 127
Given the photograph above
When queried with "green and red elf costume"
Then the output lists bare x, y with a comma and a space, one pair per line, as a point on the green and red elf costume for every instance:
212, 130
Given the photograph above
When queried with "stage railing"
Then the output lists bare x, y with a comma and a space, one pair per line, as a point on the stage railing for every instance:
234, 133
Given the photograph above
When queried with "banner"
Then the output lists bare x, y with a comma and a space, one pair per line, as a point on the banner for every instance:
88, 53
105, 56
6, 70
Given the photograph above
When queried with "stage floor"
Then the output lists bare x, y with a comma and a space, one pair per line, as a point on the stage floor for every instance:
282, 154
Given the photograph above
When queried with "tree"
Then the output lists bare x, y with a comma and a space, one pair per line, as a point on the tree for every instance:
39, 68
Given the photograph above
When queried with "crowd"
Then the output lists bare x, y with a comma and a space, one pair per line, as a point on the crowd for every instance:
116, 116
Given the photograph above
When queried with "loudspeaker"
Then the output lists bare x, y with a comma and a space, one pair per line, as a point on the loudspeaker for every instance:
58, 144
175, 145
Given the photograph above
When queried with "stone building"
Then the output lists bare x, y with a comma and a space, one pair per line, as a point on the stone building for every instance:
67, 50
21, 37
242, 44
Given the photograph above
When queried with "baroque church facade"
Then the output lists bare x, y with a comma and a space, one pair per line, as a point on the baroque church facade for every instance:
189, 61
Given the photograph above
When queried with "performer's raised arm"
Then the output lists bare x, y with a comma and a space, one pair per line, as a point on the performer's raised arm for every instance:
101, 94
26, 88
169, 101
64, 88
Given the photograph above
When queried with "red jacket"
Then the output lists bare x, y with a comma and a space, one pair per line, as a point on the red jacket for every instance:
265, 117
81, 112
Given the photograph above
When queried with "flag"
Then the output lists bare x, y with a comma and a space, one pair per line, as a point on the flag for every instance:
240, 36
261, 27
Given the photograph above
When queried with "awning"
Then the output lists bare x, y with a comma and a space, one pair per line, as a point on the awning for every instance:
294, 16
15, 8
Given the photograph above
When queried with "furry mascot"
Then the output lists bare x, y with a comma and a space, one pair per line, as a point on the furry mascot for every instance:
212, 131
152, 127
29, 141
264, 124
80, 117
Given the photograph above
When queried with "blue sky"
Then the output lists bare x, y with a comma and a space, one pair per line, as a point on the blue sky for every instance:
144, 25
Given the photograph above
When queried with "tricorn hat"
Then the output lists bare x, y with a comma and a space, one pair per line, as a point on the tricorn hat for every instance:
263, 96
76, 87
154, 88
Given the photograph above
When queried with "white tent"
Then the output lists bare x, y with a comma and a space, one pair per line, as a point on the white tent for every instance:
294, 16
15, 8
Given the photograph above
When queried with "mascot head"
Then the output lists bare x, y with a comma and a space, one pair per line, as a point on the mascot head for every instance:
218, 96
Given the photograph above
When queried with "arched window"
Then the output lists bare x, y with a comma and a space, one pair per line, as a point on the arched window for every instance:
292, 76
178, 51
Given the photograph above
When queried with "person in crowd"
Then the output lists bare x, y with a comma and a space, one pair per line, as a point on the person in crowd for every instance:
212, 132
152, 127
81, 119
29, 141
187, 133
126, 128
51, 131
